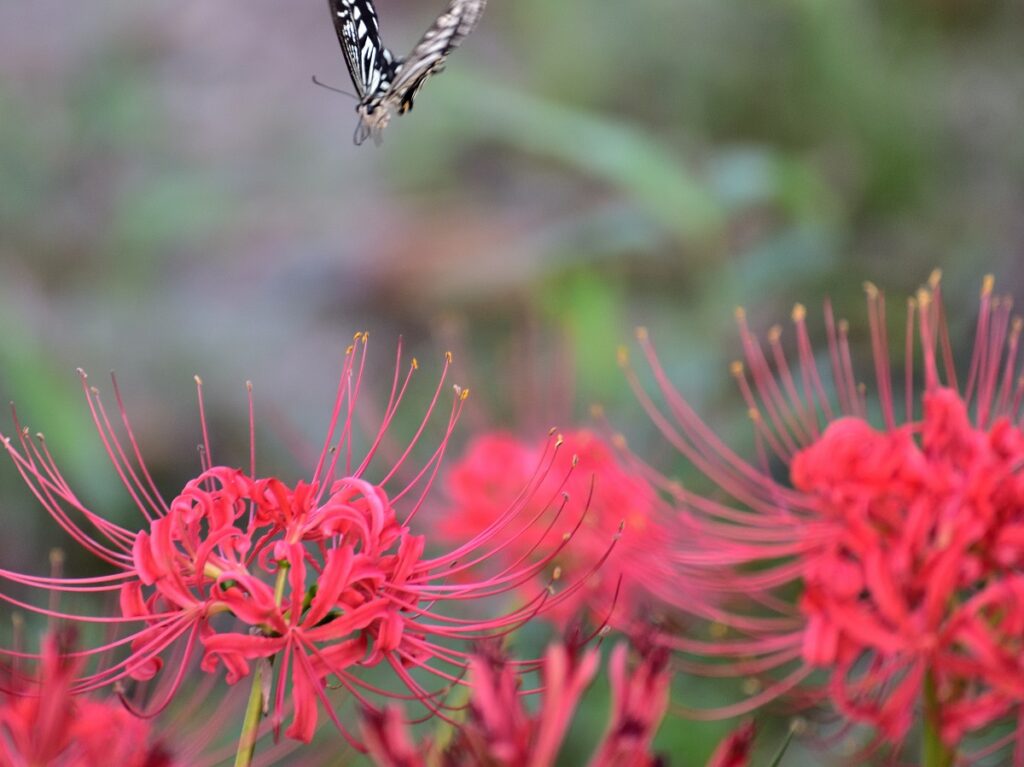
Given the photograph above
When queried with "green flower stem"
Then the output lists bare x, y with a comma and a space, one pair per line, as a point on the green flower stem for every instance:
279, 584
935, 752
251, 723
254, 708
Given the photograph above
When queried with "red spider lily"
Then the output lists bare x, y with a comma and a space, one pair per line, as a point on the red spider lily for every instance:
500, 732
321, 577
493, 471
503, 730
904, 540
640, 698
41, 722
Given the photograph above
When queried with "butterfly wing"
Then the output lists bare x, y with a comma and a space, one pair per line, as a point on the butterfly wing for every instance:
369, 63
427, 58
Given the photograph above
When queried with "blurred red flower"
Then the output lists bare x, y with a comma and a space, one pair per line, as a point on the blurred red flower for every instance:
620, 504
501, 731
43, 723
640, 698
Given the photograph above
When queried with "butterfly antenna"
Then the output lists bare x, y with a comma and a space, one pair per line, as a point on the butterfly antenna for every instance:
332, 88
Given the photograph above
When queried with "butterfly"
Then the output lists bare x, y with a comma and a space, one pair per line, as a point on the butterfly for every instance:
385, 84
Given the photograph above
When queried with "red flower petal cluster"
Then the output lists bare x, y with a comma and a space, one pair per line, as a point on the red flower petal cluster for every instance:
922, 533
341, 568
492, 474
640, 697
304, 583
501, 732
905, 541
42, 722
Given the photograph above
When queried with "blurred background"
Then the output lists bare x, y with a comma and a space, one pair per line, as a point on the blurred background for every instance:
176, 197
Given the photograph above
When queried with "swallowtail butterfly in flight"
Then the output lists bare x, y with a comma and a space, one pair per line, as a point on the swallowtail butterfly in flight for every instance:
384, 83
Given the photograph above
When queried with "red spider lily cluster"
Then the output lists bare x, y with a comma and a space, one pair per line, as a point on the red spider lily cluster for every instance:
500, 732
300, 586
870, 560
903, 538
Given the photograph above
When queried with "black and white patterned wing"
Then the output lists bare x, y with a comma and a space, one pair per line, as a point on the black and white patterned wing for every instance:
370, 64
427, 58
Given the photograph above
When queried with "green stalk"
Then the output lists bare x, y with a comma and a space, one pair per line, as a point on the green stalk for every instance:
282, 574
935, 752
251, 723
254, 708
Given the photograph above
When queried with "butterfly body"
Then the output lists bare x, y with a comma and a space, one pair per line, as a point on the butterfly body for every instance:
385, 84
